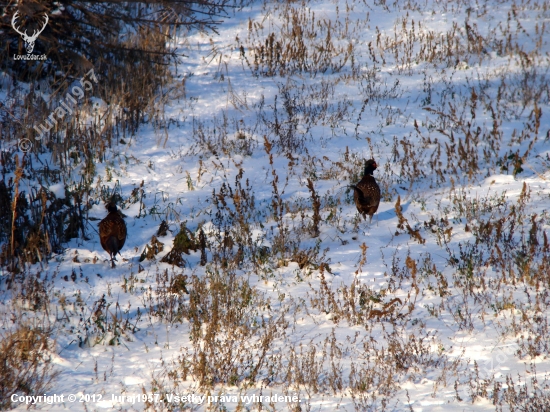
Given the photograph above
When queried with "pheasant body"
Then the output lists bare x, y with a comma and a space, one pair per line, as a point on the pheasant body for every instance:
112, 232
366, 193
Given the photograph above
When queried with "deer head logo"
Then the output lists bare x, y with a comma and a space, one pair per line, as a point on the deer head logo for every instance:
29, 40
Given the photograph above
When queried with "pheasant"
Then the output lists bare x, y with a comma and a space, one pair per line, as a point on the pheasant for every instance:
367, 192
112, 232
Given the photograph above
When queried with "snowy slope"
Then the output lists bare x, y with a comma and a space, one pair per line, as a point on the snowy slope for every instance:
439, 304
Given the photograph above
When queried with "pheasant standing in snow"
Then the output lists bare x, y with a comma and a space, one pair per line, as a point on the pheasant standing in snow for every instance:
367, 192
112, 232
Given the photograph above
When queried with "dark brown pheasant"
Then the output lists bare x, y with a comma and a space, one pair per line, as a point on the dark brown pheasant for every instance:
112, 232
367, 192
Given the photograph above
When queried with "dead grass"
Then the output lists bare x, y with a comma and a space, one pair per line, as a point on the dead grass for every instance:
25, 362
482, 260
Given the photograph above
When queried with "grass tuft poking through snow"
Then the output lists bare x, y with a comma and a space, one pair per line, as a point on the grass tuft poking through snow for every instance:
249, 281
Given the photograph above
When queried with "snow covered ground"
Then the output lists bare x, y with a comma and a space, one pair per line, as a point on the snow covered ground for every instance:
440, 304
